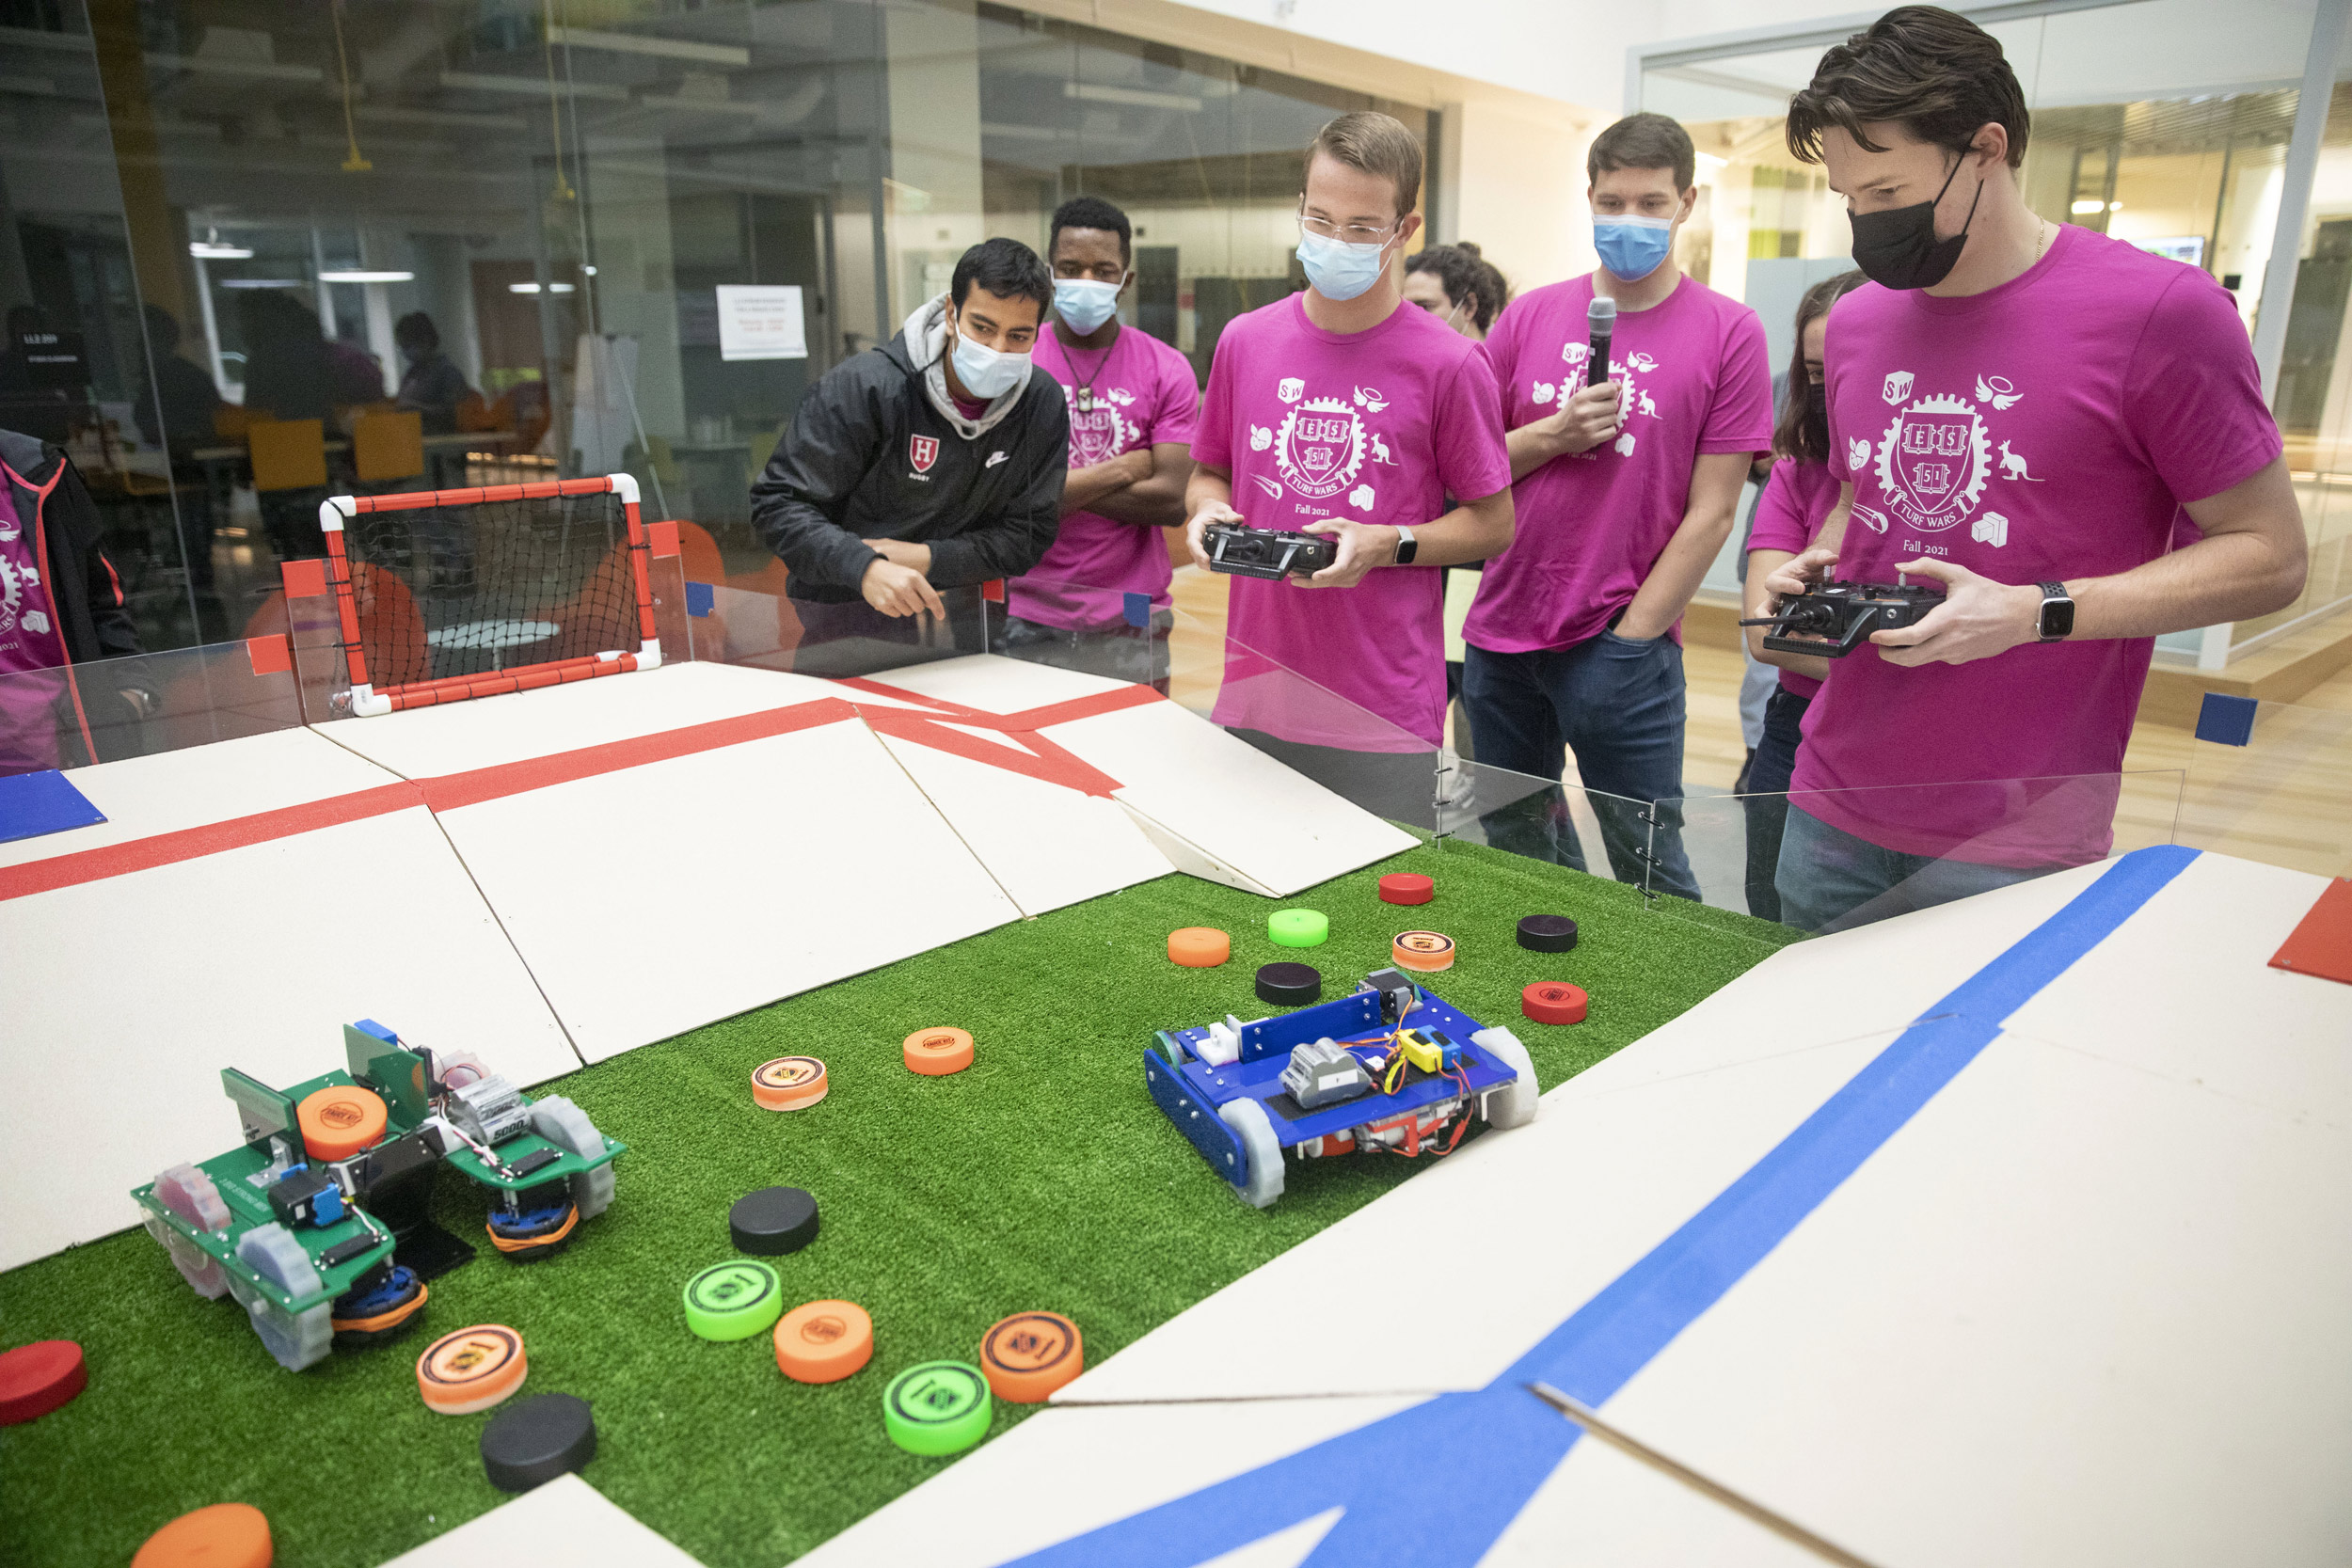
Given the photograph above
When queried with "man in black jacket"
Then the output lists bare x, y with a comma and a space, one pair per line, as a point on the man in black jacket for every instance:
934, 461
61, 604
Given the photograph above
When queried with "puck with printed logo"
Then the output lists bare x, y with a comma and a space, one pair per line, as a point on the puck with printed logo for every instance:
773, 1220
531, 1444
340, 1121
734, 1300
1547, 933
1289, 985
1553, 1002
824, 1341
1405, 887
472, 1370
789, 1083
1029, 1354
38, 1378
936, 1052
1426, 952
939, 1407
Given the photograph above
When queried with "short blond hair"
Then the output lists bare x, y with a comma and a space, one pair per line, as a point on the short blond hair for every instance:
1378, 145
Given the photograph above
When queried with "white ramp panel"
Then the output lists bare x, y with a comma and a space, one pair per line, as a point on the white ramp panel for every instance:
487, 732
125, 997
565, 1521
811, 856
1045, 844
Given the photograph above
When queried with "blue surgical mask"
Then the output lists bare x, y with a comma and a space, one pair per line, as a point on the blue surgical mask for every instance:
1085, 304
1338, 270
985, 373
1632, 248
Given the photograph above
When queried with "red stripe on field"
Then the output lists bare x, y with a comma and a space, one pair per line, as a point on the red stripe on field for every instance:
453, 790
1059, 768
145, 854
1029, 717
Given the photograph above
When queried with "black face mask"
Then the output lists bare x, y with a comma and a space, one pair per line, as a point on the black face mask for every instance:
1817, 411
1898, 249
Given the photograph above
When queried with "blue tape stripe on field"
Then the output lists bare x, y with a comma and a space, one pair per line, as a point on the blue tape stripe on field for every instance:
1437, 1484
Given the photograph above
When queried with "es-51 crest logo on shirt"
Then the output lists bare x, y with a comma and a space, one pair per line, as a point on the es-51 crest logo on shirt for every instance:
922, 450
1934, 462
1099, 433
1320, 445
11, 596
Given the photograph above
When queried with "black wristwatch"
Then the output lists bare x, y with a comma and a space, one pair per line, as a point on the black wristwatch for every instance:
2058, 612
1405, 548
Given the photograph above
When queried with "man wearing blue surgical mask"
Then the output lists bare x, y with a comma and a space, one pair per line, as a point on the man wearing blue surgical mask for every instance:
1099, 601
1626, 478
934, 461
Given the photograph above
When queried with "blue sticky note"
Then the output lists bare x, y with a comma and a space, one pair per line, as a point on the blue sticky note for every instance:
1136, 608
32, 804
2226, 721
700, 598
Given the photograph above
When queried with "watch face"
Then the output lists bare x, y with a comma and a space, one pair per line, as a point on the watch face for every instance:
2058, 618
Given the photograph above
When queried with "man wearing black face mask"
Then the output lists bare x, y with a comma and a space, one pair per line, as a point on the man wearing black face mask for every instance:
2017, 411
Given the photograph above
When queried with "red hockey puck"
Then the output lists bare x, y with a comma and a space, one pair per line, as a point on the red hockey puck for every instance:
1553, 1002
38, 1378
1403, 887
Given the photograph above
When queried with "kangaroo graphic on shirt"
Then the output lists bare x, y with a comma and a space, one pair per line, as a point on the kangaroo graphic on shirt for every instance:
2013, 466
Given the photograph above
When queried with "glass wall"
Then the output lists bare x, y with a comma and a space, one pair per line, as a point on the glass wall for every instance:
2163, 122
240, 242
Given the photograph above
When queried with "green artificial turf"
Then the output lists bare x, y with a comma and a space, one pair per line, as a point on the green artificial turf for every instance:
1041, 1178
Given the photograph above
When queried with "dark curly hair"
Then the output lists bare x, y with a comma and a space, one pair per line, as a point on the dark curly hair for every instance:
1465, 275
1937, 74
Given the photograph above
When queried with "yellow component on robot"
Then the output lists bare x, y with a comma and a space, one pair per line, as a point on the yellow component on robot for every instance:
1423, 1054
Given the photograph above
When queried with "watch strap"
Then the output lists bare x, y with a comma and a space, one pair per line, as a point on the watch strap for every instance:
2053, 596
1406, 546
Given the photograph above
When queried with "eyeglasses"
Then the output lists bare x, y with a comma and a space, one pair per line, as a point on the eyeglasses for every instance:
1350, 234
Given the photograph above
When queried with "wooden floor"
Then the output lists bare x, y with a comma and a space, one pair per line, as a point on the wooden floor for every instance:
2286, 799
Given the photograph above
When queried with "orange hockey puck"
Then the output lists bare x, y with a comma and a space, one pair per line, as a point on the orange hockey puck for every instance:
936, 1052
340, 1121
1553, 1002
472, 1370
789, 1083
1425, 951
1406, 887
1200, 947
226, 1535
1029, 1354
824, 1341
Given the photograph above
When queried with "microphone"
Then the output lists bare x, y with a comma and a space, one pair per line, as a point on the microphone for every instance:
1601, 319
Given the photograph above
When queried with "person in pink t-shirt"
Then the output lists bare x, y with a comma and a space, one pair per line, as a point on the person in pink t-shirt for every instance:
1626, 490
1343, 411
1796, 502
1098, 601
2018, 412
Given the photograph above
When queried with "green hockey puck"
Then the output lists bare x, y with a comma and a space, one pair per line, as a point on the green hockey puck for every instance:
734, 1300
1298, 929
939, 1407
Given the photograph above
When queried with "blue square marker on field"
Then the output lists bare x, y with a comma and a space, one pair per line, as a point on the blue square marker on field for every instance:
2226, 721
32, 804
700, 599
1136, 608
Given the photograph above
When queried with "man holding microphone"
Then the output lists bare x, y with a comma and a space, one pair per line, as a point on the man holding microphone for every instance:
1635, 398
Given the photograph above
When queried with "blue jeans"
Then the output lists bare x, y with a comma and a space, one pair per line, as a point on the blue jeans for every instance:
1618, 703
1764, 796
1830, 880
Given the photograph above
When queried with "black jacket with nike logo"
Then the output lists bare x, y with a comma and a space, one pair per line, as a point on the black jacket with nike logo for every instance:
868, 455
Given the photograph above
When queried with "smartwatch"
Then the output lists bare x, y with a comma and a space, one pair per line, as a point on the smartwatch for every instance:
2058, 612
1407, 549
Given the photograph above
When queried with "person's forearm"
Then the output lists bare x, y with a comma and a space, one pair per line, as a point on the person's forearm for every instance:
1155, 502
2230, 577
1679, 569
1475, 532
1533, 445
1206, 485
1087, 488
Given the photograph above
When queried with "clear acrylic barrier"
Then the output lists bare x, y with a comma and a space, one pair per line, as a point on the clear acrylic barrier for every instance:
2285, 798
108, 710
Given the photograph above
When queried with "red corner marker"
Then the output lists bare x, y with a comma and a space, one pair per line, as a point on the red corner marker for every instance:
2321, 944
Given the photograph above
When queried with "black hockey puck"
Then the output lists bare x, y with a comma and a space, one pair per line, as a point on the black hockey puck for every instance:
1547, 933
773, 1221
1289, 985
533, 1443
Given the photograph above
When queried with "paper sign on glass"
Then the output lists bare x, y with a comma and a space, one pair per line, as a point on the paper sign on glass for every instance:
761, 322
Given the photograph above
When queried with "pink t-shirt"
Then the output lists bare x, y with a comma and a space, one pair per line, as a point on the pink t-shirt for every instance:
31, 649
1796, 500
1591, 524
1379, 426
2047, 429
1143, 396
